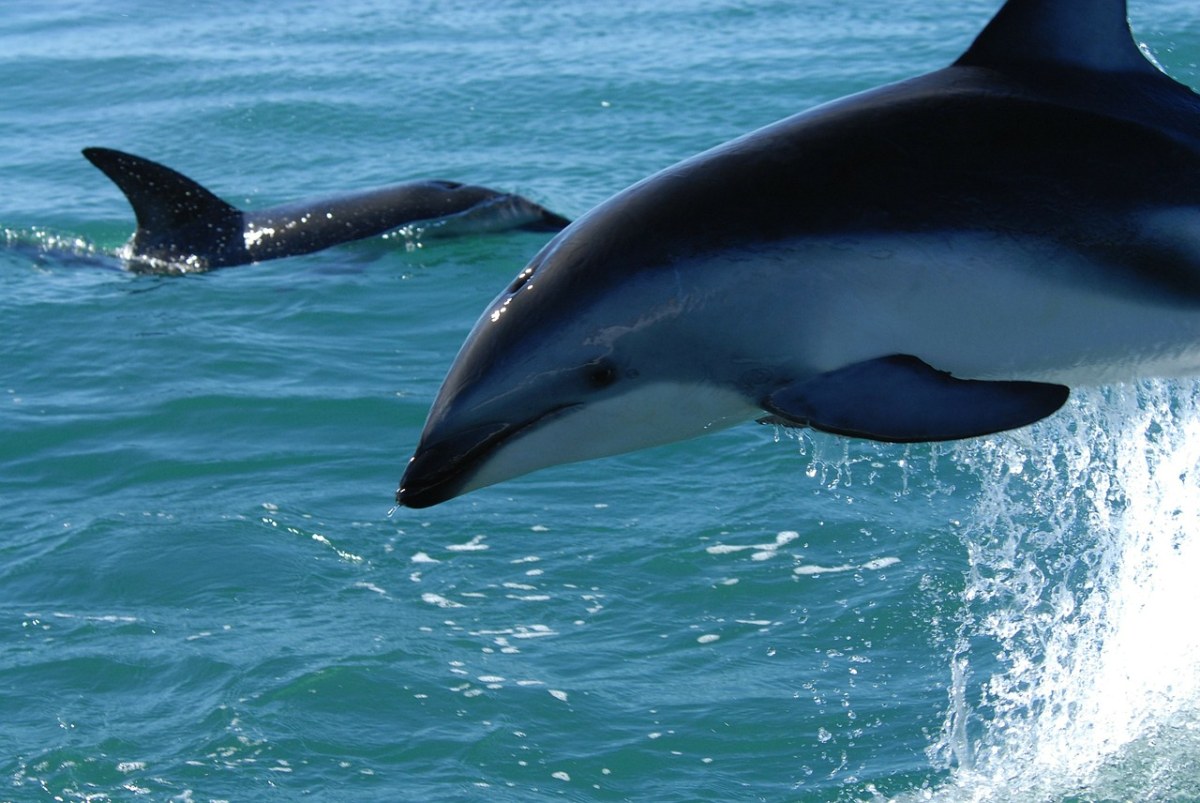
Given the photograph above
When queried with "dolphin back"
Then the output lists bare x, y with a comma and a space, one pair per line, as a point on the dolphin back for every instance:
178, 220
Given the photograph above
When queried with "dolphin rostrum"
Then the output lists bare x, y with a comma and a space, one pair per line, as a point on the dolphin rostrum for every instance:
935, 259
182, 227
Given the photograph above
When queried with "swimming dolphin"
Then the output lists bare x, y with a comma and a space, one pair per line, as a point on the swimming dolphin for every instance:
935, 259
182, 227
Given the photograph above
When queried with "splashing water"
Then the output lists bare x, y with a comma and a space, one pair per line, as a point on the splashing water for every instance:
1075, 671
39, 245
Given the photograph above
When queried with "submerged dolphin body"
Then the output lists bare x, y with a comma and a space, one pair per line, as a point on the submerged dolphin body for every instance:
935, 259
182, 227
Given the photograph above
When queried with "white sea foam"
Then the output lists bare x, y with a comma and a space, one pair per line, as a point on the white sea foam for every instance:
1076, 668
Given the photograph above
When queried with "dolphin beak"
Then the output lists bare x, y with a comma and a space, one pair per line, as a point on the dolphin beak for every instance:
439, 470
444, 465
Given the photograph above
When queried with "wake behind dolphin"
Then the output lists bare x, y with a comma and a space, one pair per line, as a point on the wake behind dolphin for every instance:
182, 227
935, 259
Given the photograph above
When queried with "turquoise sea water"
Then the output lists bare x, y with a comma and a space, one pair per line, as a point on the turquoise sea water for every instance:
205, 593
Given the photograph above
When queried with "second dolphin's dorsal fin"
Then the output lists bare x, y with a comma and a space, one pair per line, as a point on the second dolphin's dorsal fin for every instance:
1083, 34
163, 200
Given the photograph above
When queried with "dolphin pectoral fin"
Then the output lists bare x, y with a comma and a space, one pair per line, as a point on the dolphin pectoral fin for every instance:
904, 400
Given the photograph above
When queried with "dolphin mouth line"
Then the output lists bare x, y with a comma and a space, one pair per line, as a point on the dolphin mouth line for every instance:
433, 477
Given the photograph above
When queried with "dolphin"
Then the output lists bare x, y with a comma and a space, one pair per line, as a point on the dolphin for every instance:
182, 227
935, 259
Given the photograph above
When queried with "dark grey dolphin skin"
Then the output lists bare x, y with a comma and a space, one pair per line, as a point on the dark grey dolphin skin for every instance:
935, 259
182, 227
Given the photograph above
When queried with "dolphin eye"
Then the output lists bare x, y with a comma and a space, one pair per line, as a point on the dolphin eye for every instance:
601, 374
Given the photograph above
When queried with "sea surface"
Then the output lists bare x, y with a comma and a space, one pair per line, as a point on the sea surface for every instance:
205, 591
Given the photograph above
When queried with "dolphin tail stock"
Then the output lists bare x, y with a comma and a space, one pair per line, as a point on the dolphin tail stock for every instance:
901, 399
171, 209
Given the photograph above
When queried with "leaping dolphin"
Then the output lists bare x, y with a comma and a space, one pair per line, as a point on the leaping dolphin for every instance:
935, 259
182, 227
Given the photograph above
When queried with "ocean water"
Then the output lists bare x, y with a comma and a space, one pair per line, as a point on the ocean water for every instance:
205, 592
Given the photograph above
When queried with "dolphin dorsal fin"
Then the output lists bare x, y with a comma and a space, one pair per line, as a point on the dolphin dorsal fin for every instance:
1083, 34
163, 200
